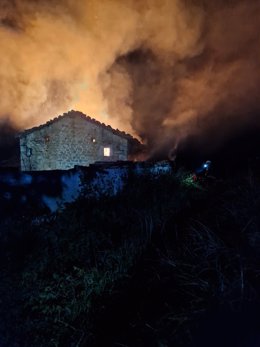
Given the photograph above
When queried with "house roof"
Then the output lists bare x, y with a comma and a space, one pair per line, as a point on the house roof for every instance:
72, 114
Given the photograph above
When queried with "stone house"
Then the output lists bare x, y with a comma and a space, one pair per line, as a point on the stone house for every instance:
73, 139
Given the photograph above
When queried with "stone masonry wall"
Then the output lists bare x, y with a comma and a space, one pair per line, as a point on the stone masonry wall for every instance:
69, 141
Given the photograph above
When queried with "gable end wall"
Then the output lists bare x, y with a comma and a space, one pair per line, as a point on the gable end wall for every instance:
68, 142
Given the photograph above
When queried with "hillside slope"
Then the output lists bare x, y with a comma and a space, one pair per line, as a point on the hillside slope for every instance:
143, 268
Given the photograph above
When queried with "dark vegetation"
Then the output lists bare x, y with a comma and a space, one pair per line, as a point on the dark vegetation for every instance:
165, 263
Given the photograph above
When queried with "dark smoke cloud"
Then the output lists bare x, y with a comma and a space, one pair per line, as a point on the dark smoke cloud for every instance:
9, 149
212, 94
165, 71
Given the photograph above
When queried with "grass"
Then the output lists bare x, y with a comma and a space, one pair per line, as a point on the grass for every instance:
162, 252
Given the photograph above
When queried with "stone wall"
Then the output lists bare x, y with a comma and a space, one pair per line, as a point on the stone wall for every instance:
70, 140
52, 190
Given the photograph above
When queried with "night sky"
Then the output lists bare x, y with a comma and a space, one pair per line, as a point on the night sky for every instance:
182, 76
165, 71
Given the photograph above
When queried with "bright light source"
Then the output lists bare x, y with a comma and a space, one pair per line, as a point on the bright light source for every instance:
106, 151
93, 139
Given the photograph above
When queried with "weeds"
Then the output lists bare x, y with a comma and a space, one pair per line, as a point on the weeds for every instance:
194, 244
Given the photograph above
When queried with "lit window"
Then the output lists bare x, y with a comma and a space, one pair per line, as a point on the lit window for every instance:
106, 151
93, 139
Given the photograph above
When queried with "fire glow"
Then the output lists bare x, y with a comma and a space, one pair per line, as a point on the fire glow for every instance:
161, 70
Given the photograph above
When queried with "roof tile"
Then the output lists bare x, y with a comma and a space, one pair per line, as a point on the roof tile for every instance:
73, 113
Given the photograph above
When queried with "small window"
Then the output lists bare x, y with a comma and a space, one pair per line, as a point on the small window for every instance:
107, 152
93, 140
46, 138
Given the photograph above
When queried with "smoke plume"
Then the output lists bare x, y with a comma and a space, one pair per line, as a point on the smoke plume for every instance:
162, 70
9, 149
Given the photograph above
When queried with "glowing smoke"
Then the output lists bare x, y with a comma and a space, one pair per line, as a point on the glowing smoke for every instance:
162, 70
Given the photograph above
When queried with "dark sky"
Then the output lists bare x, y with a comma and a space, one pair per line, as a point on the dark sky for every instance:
9, 144
166, 71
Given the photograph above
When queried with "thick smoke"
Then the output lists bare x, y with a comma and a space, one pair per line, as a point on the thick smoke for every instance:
163, 70
9, 150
